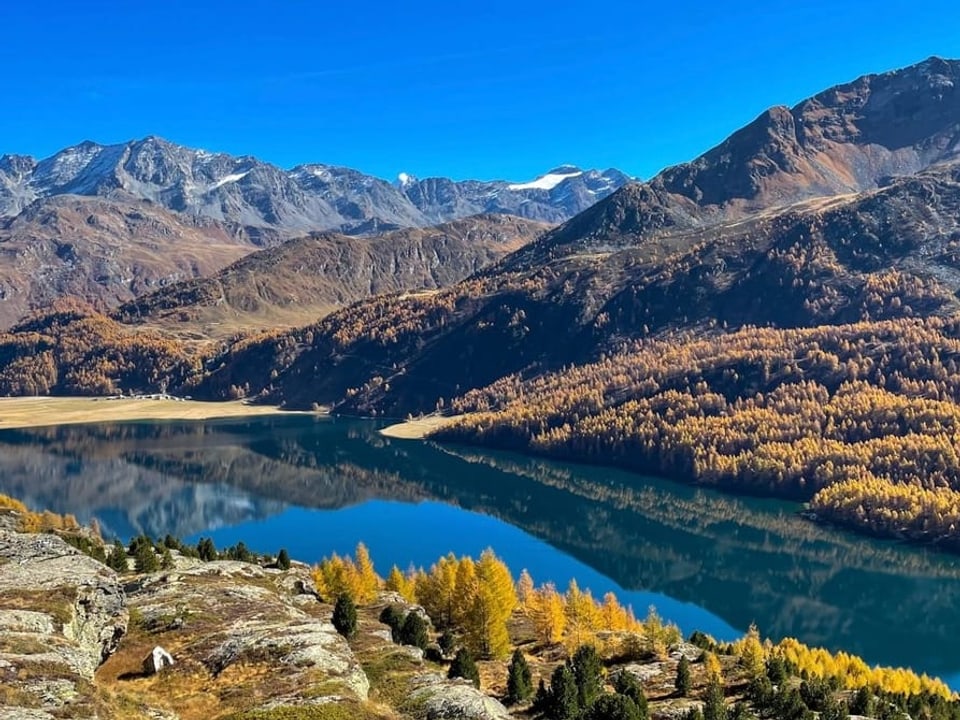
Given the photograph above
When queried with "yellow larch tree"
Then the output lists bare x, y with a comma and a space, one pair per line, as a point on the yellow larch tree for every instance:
546, 608
367, 582
583, 616
402, 584
712, 667
525, 589
493, 603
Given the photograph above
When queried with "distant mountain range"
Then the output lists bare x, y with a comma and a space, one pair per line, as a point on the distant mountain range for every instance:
107, 223
250, 193
302, 279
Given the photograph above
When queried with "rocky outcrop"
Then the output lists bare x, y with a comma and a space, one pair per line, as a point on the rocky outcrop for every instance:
437, 698
232, 623
61, 614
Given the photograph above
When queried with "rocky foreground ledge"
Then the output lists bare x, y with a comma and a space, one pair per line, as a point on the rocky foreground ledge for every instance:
248, 643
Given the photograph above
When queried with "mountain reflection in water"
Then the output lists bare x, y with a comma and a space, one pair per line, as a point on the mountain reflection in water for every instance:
708, 561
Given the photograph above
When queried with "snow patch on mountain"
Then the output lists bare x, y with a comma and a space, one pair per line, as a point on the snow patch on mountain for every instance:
546, 182
234, 177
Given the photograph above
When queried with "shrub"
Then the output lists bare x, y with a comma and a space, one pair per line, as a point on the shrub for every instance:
392, 616
283, 559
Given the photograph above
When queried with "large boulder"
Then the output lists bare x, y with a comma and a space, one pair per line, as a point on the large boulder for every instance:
438, 698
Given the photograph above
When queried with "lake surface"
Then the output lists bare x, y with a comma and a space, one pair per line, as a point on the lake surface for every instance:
315, 486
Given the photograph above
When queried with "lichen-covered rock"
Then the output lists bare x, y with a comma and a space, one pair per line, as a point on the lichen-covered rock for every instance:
645, 672
438, 698
675, 709
227, 617
61, 614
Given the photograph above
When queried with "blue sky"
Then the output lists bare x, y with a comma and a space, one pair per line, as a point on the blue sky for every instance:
492, 89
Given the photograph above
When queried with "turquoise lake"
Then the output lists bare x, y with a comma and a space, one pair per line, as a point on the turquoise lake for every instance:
706, 560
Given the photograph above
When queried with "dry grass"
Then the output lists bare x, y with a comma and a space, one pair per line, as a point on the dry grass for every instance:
418, 429
24, 412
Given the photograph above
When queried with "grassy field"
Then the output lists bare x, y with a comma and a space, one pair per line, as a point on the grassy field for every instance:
39, 411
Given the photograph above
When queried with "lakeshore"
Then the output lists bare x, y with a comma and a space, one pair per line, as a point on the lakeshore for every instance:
24, 412
419, 428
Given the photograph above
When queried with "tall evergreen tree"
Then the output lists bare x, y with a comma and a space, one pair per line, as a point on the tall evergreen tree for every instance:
145, 559
345, 616
206, 550
612, 707
166, 559
629, 686
463, 666
283, 559
117, 559
519, 679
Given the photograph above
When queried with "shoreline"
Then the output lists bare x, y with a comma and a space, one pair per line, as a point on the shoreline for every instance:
419, 428
30, 412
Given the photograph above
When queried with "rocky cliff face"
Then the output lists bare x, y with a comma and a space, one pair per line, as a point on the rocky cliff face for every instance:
61, 615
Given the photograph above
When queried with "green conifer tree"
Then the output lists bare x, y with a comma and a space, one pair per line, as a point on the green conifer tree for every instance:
145, 559
117, 559
587, 671
629, 686
563, 702
714, 702
683, 681
166, 559
345, 616
283, 559
519, 679
414, 631
463, 666
612, 707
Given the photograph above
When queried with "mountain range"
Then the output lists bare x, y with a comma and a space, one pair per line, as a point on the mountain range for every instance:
821, 213
841, 209
247, 192
106, 223
297, 281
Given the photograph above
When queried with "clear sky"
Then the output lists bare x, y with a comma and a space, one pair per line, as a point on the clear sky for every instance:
492, 89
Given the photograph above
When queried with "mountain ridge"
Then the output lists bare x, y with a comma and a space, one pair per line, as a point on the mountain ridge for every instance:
305, 198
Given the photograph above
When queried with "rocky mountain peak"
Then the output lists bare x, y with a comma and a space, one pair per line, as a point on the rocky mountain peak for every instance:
254, 194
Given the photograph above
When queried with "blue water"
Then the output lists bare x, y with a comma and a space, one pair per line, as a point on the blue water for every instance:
405, 534
707, 561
